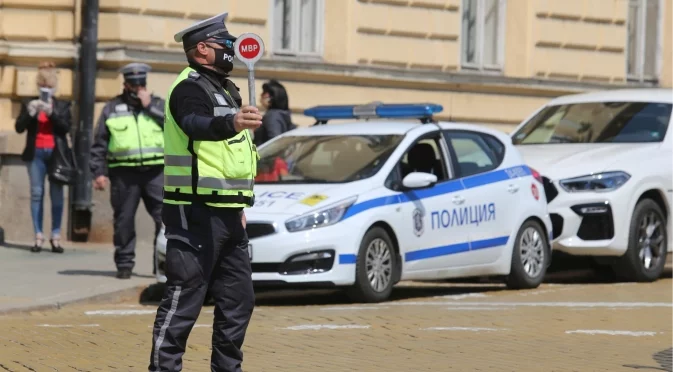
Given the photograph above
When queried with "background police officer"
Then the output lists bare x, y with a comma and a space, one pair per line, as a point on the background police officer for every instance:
210, 167
129, 148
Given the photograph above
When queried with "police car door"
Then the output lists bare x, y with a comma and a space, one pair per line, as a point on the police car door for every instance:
487, 199
426, 244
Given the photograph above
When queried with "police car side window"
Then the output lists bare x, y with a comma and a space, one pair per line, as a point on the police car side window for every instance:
474, 153
426, 156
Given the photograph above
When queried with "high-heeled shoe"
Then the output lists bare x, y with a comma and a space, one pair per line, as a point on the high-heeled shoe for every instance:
37, 247
56, 245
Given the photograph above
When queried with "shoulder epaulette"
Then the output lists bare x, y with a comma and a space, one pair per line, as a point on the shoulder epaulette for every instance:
194, 75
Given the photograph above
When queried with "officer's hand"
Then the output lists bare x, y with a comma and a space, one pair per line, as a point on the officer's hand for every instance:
100, 182
145, 97
247, 118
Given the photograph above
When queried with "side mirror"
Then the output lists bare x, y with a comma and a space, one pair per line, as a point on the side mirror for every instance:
419, 180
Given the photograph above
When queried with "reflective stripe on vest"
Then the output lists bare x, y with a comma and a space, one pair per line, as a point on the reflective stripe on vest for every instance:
133, 142
217, 173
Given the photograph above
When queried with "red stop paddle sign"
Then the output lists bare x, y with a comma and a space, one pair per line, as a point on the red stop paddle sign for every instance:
249, 49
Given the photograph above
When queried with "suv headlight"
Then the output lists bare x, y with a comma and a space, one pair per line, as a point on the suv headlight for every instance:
606, 181
320, 218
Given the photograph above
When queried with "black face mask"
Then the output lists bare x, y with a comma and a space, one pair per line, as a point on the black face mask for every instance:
132, 98
223, 61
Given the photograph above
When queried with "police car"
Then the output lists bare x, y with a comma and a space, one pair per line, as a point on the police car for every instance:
367, 203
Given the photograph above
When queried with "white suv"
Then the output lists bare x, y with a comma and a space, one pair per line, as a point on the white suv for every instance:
607, 161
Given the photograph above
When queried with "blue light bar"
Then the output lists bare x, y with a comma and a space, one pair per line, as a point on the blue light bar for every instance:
374, 110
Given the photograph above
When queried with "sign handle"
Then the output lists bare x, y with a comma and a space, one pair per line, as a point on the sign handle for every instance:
251, 87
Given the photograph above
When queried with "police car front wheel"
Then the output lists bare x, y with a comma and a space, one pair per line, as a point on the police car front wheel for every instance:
375, 268
530, 256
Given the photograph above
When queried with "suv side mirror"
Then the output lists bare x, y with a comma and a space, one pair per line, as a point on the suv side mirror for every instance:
419, 180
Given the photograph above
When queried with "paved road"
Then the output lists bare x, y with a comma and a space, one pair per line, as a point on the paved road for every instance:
426, 327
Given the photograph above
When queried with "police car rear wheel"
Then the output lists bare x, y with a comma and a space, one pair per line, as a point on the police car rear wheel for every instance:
374, 268
529, 257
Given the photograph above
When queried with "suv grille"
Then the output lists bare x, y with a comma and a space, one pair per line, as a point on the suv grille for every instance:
257, 229
550, 190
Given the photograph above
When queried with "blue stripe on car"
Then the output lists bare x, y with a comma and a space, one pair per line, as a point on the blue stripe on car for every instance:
440, 189
444, 250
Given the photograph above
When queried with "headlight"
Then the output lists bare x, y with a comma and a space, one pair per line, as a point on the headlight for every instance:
606, 181
323, 217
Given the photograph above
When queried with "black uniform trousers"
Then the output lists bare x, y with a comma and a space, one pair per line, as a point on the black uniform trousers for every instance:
127, 186
206, 252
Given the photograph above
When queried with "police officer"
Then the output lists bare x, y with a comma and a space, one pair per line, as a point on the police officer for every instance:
210, 165
129, 149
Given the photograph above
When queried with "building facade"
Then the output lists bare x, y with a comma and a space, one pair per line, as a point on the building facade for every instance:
485, 61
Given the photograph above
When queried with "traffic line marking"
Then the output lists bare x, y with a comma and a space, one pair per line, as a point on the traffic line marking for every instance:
475, 308
67, 325
315, 327
120, 312
612, 333
542, 304
336, 308
462, 295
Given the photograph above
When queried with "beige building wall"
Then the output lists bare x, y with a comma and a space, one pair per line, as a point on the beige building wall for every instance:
388, 50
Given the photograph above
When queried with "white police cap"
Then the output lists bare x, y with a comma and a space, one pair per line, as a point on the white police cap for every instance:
213, 27
135, 72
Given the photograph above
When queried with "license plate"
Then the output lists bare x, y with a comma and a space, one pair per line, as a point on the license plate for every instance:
250, 251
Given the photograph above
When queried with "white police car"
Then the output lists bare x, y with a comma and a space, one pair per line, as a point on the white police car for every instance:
363, 205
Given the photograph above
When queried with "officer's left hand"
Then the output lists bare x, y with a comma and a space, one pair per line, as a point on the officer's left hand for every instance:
145, 97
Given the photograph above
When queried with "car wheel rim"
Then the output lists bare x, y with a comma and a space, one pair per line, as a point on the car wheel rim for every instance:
531, 247
651, 241
379, 265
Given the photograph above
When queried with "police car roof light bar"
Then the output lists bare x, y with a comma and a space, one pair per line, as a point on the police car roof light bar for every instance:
422, 111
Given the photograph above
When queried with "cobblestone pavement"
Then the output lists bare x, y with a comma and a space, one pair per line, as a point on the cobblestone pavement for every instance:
426, 327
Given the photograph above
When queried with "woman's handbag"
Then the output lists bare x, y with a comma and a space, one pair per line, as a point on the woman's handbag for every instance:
62, 164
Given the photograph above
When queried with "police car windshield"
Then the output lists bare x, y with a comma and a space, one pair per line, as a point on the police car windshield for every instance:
597, 122
323, 159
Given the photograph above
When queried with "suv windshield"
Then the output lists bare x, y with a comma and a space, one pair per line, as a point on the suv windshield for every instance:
324, 159
597, 122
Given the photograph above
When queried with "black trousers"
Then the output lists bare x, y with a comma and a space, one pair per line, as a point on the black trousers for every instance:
127, 186
206, 252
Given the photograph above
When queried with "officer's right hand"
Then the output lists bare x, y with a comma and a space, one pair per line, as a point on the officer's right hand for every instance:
100, 182
247, 118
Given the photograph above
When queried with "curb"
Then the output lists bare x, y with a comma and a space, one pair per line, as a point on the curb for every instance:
121, 295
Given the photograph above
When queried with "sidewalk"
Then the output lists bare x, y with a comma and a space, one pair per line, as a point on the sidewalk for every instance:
42, 280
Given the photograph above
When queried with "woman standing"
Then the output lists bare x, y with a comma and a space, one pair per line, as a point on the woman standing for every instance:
276, 119
43, 118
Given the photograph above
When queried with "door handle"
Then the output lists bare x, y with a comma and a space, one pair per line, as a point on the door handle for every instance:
458, 200
513, 188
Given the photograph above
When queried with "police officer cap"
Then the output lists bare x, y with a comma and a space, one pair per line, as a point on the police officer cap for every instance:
201, 31
135, 73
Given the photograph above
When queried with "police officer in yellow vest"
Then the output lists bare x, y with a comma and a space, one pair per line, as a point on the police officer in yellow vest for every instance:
128, 153
210, 165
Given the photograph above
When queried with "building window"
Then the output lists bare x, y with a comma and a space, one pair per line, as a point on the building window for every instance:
483, 35
643, 47
297, 27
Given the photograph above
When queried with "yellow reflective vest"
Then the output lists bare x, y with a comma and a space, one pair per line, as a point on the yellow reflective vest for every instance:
133, 142
215, 173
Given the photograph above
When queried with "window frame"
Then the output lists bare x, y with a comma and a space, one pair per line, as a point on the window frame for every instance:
393, 180
641, 42
293, 52
480, 21
495, 158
